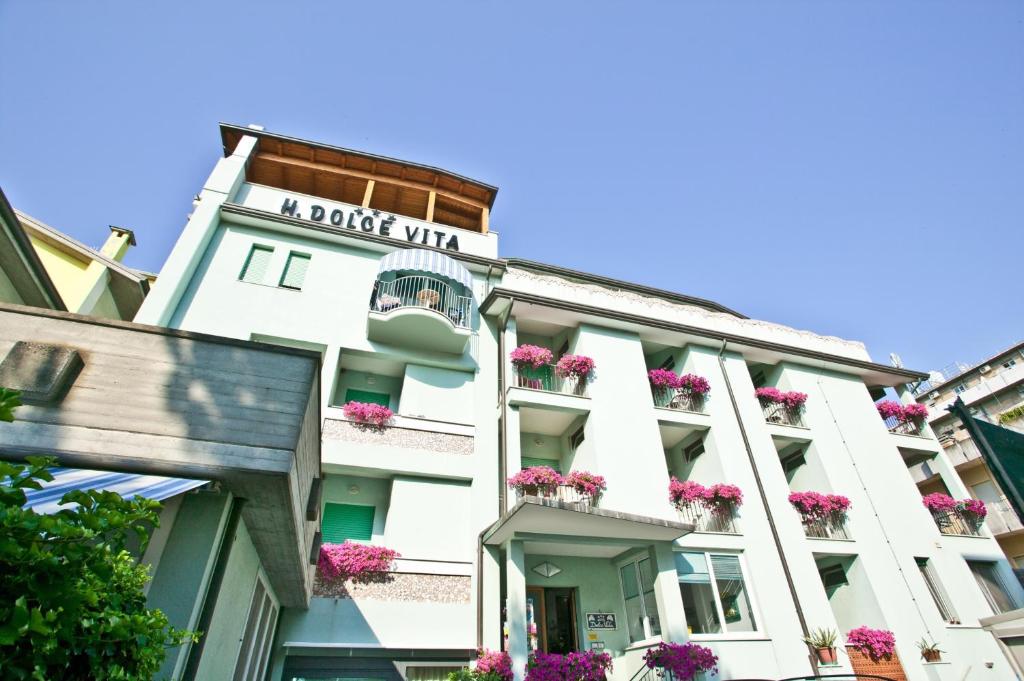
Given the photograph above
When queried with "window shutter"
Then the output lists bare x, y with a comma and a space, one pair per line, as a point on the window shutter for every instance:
256, 264
295, 270
353, 395
347, 521
530, 461
727, 567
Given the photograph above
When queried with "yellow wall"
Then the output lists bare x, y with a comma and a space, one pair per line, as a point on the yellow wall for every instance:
68, 273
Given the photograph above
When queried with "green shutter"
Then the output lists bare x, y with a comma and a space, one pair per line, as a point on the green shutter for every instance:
346, 521
353, 395
295, 270
530, 461
256, 264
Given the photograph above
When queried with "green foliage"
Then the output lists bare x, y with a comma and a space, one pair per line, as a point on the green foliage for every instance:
71, 600
9, 399
467, 674
1012, 414
822, 638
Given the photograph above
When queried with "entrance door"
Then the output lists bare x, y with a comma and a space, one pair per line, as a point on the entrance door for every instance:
554, 613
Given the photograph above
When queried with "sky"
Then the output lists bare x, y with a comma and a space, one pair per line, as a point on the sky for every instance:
851, 168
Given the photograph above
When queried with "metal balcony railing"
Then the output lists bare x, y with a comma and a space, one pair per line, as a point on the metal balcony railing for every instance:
705, 519
675, 398
900, 427
957, 522
567, 494
777, 412
546, 378
422, 292
831, 527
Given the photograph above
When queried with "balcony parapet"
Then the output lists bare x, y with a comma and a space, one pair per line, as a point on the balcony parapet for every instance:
678, 399
833, 526
396, 436
546, 379
958, 523
781, 414
705, 519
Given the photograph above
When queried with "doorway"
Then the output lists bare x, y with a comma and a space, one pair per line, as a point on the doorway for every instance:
554, 613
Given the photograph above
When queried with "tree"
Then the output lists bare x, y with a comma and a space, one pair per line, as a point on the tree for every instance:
71, 599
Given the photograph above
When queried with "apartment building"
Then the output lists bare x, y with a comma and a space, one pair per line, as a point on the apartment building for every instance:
993, 390
390, 272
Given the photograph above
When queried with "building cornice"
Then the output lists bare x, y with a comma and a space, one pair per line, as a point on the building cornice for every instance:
600, 312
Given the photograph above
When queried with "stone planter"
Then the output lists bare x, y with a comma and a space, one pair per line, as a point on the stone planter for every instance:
888, 667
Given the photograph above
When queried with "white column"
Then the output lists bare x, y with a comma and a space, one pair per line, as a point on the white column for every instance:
666, 593
491, 597
515, 603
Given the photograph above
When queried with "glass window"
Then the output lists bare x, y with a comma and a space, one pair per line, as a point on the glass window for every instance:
931, 580
255, 268
991, 585
959, 388
1009, 364
714, 592
641, 604
295, 271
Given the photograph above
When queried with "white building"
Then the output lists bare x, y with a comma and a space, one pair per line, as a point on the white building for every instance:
391, 272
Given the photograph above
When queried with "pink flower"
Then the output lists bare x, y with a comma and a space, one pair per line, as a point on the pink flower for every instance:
586, 483
889, 409
937, 502
903, 412
724, 495
575, 366
876, 643
589, 665
536, 479
817, 506
694, 384
976, 507
530, 355
915, 412
494, 662
368, 413
663, 378
683, 660
684, 493
358, 562
792, 399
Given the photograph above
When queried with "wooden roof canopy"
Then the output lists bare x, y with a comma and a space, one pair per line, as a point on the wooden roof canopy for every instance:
362, 179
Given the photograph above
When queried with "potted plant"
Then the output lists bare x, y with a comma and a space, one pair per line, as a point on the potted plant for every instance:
578, 368
929, 651
354, 561
589, 485
532, 365
692, 391
683, 661
973, 511
723, 499
878, 644
368, 413
536, 481
685, 494
824, 643
663, 385
589, 665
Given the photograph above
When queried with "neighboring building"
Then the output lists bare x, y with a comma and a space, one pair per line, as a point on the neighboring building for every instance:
42, 267
389, 271
994, 391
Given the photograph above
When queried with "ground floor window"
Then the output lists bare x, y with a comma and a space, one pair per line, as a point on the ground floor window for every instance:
991, 585
258, 636
638, 592
714, 593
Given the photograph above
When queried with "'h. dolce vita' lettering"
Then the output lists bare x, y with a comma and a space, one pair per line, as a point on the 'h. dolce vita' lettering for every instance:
372, 222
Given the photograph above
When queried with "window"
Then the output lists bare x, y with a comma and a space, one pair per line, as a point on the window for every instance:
669, 364
641, 606
530, 461
931, 580
576, 439
346, 521
255, 268
367, 396
255, 646
295, 270
959, 388
691, 452
991, 585
1009, 364
714, 593
791, 462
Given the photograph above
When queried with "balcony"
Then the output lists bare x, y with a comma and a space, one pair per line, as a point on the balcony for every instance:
678, 399
781, 414
547, 379
901, 427
830, 527
958, 523
705, 519
420, 310
1001, 518
567, 496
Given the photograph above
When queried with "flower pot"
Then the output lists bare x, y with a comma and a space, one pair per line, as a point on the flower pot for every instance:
932, 655
826, 655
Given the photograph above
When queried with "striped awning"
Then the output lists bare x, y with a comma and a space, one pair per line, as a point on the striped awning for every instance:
156, 487
431, 262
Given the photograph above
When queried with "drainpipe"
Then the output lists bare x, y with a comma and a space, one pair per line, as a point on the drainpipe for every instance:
502, 441
767, 508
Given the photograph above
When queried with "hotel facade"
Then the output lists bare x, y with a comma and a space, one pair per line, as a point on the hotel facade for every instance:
390, 272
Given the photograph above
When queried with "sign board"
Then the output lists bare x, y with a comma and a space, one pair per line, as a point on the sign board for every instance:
601, 620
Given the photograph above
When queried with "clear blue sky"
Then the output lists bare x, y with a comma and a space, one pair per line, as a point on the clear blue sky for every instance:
852, 168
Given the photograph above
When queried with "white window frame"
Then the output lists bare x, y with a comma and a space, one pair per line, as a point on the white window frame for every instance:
755, 610
634, 560
257, 662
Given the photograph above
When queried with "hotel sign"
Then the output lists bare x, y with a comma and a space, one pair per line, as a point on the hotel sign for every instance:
371, 221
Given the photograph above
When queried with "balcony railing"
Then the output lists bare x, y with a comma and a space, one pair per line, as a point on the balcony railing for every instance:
546, 378
675, 398
422, 292
831, 527
567, 494
960, 451
956, 522
778, 412
901, 427
1001, 517
705, 519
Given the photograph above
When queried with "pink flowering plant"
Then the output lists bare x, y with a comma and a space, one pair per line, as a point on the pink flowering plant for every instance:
358, 562
685, 492
814, 506
542, 480
792, 399
368, 413
694, 385
589, 665
937, 502
586, 483
493, 665
663, 378
683, 660
875, 643
578, 367
904, 413
975, 507
718, 498
530, 356
972, 510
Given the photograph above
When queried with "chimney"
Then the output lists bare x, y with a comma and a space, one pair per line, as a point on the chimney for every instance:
118, 243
